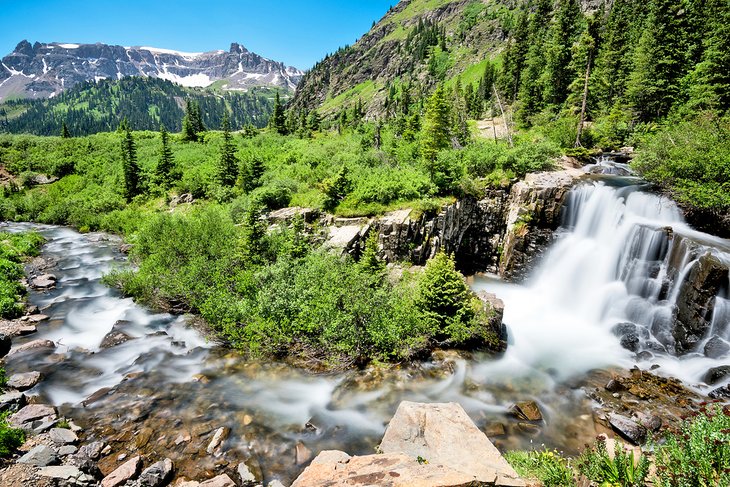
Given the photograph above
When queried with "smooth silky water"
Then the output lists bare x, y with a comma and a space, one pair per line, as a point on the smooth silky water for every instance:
607, 266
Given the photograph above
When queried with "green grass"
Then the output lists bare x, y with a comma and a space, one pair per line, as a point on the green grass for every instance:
364, 91
547, 466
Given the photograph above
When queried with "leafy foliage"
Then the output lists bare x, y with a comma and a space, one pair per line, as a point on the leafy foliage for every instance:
13, 249
619, 469
547, 466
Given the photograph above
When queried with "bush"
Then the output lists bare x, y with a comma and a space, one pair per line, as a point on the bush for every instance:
10, 438
697, 454
13, 249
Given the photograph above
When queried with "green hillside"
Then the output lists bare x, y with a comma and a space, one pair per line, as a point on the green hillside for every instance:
145, 102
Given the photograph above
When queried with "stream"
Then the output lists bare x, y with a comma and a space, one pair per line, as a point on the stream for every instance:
165, 390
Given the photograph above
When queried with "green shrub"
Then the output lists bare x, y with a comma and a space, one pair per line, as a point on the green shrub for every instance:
547, 466
10, 438
13, 249
697, 454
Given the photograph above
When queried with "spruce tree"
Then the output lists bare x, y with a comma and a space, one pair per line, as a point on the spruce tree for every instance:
562, 34
654, 83
710, 79
166, 162
278, 117
227, 163
514, 58
130, 167
436, 134
64, 131
253, 171
189, 134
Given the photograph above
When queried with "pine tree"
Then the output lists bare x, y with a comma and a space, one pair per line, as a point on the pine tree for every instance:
459, 126
166, 163
530, 94
189, 134
253, 171
228, 163
654, 83
436, 134
130, 167
562, 34
64, 131
252, 244
514, 58
278, 117
369, 262
710, 79
336, 189
443, 295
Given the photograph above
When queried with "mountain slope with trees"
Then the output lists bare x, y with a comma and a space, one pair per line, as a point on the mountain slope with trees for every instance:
144, 102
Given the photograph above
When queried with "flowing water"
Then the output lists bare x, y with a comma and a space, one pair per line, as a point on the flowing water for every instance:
613, 262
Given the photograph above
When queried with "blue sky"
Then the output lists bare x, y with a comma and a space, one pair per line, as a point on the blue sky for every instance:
299, 33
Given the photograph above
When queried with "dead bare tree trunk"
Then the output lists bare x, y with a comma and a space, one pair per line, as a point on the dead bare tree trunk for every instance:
581, 122
504, 117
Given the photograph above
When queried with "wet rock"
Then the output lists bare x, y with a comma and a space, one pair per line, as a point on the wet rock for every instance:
126, 248
44, 281
62, 436
529, 429
716, 347
114, 338
44, 424
275, 483
40, 456
720, 393
712, 377
219, 481
183, 437
24, 381
32, 412
157, 475
67, 450
651, 422
493, 430
302, 454
34, 345
67, 474
12, 401
37, 318
5, 344
444, 435
527, 410
628, 428
248, 479
93, 451
219, 437
143, 437
614, 386
695, 302
127, 471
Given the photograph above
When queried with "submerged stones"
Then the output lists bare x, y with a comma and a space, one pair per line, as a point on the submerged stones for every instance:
527, 410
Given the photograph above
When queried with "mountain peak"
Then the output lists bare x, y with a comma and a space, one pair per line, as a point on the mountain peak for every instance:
45, 69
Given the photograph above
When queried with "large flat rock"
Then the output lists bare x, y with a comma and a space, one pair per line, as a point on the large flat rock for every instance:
443, 434
338, 469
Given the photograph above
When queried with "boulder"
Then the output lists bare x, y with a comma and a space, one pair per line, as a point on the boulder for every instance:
12, 401
712, 377
527, 410
114, 338
127, 471
62, 436
444, 435
32, 412
44, 281
219, 481
40, 456
628, 428
24, 381
720, 393
67, 450
716, 348
302, 454
67, 474
157, 475
337, 469
695, 301
34, 345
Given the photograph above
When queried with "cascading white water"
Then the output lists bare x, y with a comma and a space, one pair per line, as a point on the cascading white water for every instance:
613, 278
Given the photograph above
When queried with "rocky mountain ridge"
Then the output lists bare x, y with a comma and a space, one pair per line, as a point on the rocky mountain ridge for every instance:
43, 70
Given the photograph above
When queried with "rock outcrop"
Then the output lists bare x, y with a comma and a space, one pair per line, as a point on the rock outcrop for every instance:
433, 445
503, 232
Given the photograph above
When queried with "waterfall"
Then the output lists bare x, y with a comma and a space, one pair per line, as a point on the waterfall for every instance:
606, 293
